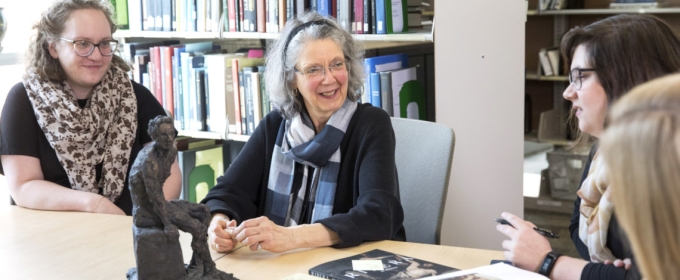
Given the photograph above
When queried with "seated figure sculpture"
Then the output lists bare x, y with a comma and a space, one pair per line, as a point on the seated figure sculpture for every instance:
156, 221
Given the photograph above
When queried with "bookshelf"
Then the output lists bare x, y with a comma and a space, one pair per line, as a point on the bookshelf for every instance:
606, 11
545, 28
419, 36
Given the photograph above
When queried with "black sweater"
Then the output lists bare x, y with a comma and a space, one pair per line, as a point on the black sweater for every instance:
366, 206
616, 242
20, 134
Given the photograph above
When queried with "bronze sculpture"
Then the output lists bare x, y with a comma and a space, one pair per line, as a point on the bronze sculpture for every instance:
156, 221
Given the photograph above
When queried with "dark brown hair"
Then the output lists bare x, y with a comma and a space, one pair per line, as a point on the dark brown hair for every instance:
626, 50
49, 28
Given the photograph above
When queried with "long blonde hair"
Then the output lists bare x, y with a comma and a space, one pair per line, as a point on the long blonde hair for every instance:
641, 147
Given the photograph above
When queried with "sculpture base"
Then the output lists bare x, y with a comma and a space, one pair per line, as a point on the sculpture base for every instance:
192, 274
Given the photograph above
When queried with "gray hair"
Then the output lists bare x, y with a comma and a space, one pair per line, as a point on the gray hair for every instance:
280, 74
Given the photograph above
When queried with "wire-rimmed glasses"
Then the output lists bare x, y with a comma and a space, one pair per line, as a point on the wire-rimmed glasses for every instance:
316, 73
85, 48
576, 77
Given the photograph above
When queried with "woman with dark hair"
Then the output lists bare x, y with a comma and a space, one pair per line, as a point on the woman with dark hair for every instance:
319, 170
72, 128
607, 58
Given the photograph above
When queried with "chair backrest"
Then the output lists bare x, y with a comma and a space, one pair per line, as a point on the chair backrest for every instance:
424, 151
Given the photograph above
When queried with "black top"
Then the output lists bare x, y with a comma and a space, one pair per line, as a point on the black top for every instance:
616, 242
366, 205
20, 134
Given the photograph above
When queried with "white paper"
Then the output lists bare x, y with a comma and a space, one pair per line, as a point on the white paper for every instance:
366, 265
500, 270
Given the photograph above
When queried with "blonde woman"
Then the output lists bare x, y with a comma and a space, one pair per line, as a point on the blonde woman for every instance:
641, 146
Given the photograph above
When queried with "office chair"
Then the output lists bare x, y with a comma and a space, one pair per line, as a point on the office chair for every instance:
424, 151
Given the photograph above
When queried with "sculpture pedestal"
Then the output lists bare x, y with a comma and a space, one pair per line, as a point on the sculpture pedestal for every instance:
157, 254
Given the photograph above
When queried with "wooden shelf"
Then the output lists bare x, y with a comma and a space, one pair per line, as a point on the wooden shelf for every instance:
535, 77
422, 35
533, 137
214, 135
604, 11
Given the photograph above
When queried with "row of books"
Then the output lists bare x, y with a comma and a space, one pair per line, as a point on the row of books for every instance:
264, 16
549, 61
393, 85
204, 88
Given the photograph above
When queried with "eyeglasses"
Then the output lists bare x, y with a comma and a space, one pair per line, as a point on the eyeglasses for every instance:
316, 73
85, 48
576, 77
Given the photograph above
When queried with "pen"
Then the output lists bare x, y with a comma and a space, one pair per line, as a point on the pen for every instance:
541, 231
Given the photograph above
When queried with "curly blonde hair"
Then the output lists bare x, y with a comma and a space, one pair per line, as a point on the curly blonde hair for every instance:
49, 28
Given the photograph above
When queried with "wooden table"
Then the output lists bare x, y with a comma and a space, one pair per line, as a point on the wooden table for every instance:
69, 245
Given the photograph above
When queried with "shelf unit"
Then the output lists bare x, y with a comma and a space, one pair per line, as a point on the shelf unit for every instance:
539, 23
535, 77
371, 40
613, 11
424, 36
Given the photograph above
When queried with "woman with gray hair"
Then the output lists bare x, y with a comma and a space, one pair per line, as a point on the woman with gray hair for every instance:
319, 170
72, 128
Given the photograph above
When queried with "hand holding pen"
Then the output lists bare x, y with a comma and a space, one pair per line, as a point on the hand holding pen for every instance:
541, 231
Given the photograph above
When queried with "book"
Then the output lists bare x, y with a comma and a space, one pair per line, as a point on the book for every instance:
200, 169
221, 87
403, 89
544, 63
499, 271
378, 264
396, 16
379, 64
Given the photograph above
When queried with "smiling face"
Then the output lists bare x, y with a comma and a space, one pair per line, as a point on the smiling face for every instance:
590, 102
83, 73
326, 95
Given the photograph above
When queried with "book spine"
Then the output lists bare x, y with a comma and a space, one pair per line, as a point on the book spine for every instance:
177, 104
215, 11
166, 15
200, 100
380, 17
232, 15
283, 14
261, 16
237, 94
358, 17
375, 90
168, 96
386, 92
242, 102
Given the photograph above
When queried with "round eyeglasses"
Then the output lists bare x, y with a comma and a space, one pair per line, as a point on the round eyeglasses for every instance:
316, 73
576, 77
85, 48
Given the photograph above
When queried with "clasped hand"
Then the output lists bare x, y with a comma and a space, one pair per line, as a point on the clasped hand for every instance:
257, 233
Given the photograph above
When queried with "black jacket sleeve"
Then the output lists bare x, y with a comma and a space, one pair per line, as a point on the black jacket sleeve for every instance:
238, 192
377, 213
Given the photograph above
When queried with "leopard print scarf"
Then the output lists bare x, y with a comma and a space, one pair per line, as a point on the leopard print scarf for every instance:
102, 131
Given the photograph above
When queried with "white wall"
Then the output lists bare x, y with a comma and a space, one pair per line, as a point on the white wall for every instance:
479, 83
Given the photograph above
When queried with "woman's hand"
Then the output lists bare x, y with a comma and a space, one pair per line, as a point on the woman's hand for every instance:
220, 233
526, 248
105, 206
625, 263
262, 233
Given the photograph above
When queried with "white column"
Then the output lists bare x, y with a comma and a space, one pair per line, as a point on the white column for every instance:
479, 85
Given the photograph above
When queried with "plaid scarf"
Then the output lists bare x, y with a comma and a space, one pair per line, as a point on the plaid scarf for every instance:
297, 142
103, 131
596, 211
